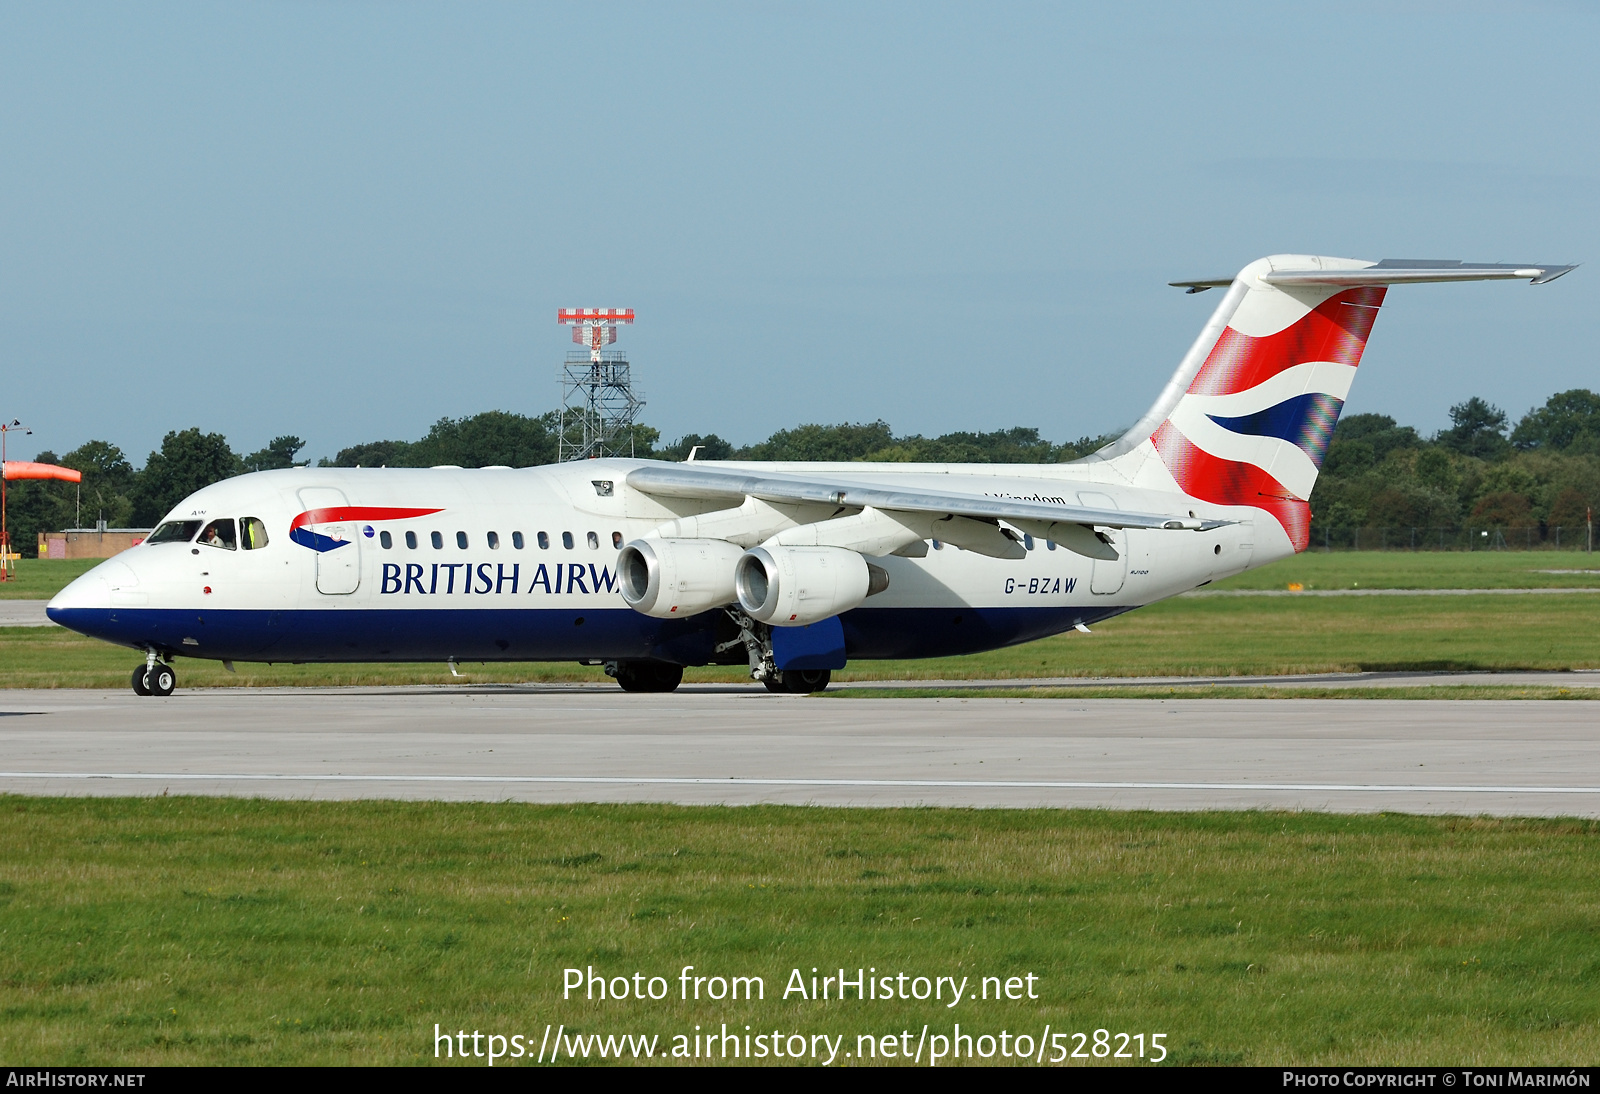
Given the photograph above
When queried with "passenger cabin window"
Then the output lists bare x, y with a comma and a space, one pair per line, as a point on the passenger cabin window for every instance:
566, 540
516, 540
1050, 545
594, 542
219, 533
461, 540
494, 541
385, 540
437, 539
253, 533
544, 542
1027, 541
175, 531
411, 541
616, 539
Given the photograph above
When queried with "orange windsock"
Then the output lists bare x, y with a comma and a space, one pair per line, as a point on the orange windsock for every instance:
23, 469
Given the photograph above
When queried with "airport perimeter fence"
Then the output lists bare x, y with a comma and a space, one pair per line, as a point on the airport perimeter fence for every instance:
1532, 537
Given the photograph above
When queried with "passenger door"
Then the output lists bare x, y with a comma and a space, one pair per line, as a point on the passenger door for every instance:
1107, 575
338, 564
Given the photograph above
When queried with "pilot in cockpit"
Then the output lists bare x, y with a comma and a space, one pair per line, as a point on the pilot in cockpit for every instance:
219, 533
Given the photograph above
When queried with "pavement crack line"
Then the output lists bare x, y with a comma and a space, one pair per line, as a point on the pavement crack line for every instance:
976, 784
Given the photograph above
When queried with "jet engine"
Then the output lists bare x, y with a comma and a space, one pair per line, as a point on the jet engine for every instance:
675, 577
794, 586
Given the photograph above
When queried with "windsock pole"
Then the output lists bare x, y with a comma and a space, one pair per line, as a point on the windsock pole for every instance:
7, 563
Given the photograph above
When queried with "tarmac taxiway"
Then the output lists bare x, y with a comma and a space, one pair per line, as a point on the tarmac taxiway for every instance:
709, 744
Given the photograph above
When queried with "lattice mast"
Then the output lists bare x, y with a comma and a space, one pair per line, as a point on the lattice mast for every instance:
598, 405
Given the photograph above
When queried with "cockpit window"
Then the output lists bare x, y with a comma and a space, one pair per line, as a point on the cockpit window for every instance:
175, 531
253, 533
219, 533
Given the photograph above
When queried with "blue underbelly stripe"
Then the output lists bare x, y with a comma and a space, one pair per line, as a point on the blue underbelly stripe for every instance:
542, 634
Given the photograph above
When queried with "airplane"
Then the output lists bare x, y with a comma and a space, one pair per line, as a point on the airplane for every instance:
646, 567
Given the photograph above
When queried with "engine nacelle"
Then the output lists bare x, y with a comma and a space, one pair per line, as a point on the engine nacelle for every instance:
667, 578
795, 586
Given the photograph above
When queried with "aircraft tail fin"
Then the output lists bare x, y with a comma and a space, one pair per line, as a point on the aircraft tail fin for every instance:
1247, 417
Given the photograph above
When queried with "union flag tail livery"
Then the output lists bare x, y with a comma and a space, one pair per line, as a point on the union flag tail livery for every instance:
1247, 419
792, 568
1254, 424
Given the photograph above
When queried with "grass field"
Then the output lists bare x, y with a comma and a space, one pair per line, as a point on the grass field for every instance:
1200, 636
227, 931
190, 930
1216, 691
1426, 570
40, 579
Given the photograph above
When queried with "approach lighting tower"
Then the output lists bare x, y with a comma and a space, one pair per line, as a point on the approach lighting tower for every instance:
598, 406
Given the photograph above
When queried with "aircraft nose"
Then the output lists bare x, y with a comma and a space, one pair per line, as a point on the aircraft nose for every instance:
91, 592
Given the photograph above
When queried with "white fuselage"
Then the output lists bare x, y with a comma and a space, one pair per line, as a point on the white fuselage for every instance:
521, 565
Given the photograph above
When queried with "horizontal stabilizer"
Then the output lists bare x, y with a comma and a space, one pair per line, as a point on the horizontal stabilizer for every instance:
1398, 271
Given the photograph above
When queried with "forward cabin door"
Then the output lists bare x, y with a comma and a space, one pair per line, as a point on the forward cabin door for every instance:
1108, 574
338, 542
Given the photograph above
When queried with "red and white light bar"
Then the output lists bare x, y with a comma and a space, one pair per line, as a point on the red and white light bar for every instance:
594, 316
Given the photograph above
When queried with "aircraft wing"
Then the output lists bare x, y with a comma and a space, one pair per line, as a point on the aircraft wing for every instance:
685, 480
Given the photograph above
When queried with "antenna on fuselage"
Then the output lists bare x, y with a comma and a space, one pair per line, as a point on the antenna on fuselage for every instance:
598, 404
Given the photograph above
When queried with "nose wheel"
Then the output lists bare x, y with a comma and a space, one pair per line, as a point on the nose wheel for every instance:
155, 679
161, 680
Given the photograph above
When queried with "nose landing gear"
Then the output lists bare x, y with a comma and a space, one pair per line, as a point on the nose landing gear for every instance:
154, 677
161, 680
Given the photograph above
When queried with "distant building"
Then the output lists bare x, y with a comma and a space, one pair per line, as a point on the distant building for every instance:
90, 542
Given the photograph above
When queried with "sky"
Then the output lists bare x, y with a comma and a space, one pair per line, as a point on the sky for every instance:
345, 220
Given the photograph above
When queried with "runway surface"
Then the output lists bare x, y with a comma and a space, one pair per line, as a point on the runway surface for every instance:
24, 613
740, 745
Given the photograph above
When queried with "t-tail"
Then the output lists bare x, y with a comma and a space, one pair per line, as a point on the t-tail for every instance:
1247, 417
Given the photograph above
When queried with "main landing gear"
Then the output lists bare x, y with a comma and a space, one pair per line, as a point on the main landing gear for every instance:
756, 638
797, 681
646, 675
154, 678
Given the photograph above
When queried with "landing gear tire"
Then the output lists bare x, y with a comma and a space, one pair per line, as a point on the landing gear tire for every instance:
798, 681
161, 680
139, 685
650, 676
805, 681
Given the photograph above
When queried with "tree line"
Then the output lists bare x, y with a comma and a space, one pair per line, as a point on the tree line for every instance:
1543, 472
115, 492
1481, 472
